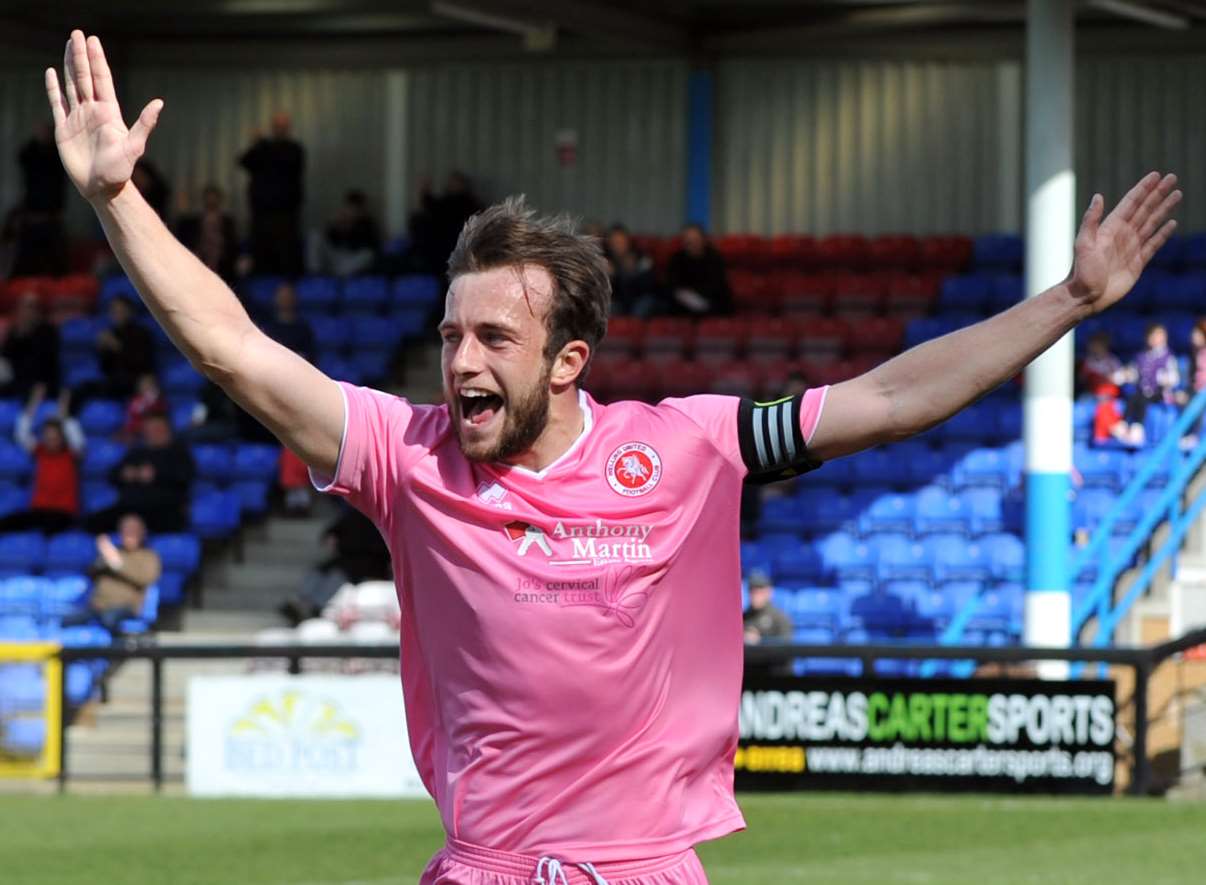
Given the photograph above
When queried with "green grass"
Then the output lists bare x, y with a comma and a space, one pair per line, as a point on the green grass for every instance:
823, 839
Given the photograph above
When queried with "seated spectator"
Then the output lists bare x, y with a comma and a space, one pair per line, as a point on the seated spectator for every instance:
696, 276
1156, 376
121, 576
294, 479
215, 417
33, 242
126, 350
355, 553
153, 186
148, 399
764, 620
54, 505
152, 480
1197, 341
210, 234
1108, 424
634, 289
351, 244
30, 356
1099, 366
287, 326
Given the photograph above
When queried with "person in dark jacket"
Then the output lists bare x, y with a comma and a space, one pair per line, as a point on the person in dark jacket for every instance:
153, 481
764, 621
126, 350
351, 243
287, 326
275, 192
434, 229
696, 276
211, 234
35, 226
634, 289
30, 355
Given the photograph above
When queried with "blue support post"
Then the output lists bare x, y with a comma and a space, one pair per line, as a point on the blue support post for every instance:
700, 132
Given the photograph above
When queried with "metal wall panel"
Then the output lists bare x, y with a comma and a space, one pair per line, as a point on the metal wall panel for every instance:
499, 124
209, 116
1139, 114
869, 146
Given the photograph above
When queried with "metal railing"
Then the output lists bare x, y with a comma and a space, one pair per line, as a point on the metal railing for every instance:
1142, 661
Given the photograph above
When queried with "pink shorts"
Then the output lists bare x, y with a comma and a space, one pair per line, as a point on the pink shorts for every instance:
460, 863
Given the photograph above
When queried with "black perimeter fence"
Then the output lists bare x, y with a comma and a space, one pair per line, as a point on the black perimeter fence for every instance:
1142, 661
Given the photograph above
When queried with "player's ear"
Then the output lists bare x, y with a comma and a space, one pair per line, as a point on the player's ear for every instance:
569, 363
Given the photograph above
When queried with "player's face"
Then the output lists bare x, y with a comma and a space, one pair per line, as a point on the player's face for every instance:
496, 379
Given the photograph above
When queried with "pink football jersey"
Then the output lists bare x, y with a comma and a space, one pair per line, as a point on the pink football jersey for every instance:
571, 639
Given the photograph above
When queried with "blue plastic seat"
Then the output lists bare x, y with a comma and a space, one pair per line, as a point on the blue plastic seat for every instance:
820, 607
970, 292
1006, 556
802, 565
372, 364
177, 552
780, 514
171, 588
1193, 253
1091, 506
214, 461
754, 556
78, 334
64, 596
253, 495
1000, 610
880, 613
1000, 252
889, 513
1102, 468
985, 508
330, 333
823, 510
80, 371
100, 457
317, 293
959, 560
1171, 254
261, 290
147, 615
95, 496
15, 463
937, 510
846, 558
101, 417
365, 294
22, 596
877, 466
70, 552
258, 461
975, 424
215, 514
23, 551
416, 290
181, 380
23, 736
411, 323
983, 467
13, 498
907, 562
1006, 291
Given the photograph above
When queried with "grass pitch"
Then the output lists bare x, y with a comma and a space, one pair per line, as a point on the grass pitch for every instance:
814, 838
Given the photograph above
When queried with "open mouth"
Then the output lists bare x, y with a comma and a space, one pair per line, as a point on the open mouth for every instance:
478, 407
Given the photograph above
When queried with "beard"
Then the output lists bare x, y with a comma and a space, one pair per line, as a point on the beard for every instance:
525, 418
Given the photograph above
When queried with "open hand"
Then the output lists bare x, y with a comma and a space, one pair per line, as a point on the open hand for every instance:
1111, 254
96, 148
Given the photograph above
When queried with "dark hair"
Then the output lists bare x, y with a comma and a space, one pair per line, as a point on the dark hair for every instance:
511, 234
54, 423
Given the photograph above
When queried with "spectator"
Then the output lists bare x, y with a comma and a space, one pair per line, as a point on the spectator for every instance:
634, 288
1100, 366
275, 193
42, 174
355, 553
30, 355
215, 417
287, 326
148, 399
434, 229
351, 244
34, 229
1108, 424
1156, 377
211, 234
121, 576
126, 350
54, 505
1197, 341
764, 620
153, 481
697, 278
153, 186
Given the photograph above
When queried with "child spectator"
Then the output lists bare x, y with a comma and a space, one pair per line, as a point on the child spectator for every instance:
1099, 366
55, 503
1156, 377
1107, 417
148, 399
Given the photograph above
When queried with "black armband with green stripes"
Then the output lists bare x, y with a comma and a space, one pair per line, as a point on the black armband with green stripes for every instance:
772, 444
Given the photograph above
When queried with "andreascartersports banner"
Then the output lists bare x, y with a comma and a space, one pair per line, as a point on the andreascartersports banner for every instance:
898, 734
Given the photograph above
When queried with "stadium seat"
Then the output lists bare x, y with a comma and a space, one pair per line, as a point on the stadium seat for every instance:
1006, 556
214, 462
65, 596
372, 365
316, 293
253, 495
21, 596
258, 461
330, 332
822, 607
890, 513
171, 588
215, 514
1005, 290
984, 467
365, 294
95, 496
969, 293
718, 339
416, 290
339, 368
147, 615
15, 464
959, 560
939, 511
780, 514
880, 613
910, 561
181, 380
12, 498
846, 558
801, 566
22, 551
824, 510
1102, 468
70, 552
177, 552
101, 418
81, 370
998, 252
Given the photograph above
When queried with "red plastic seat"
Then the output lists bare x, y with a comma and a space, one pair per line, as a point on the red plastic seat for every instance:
668, 338
879, 336
858, 294
893, 252
823, 339
769, 339
633, 379
910, 295
948, 254
805, 293
684, 378
719, 339
624, 336
792, 251
842, 252
737, 378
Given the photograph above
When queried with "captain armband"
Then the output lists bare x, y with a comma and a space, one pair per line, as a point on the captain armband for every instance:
772, 444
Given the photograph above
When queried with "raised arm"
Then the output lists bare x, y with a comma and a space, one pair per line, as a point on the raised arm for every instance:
927, 384
299, 404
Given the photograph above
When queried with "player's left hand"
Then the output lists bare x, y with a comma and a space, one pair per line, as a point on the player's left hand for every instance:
1111, 253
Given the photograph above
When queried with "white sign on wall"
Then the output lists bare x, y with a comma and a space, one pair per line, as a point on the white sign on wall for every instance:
278, 735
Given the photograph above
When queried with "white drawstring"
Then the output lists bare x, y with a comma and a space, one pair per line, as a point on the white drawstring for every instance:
556, 873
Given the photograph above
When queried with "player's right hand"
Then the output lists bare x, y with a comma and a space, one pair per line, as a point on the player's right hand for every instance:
96, 148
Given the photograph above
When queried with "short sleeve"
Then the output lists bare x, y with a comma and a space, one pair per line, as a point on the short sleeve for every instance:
716, 415
383, 437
